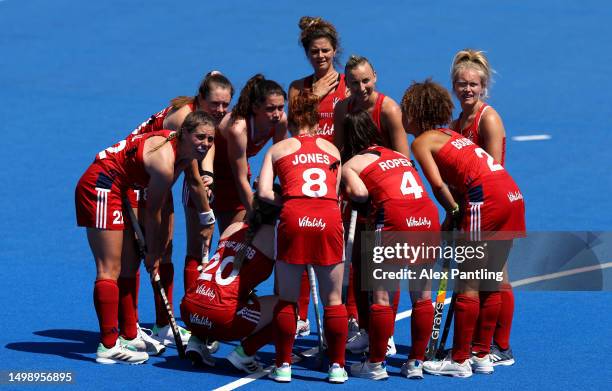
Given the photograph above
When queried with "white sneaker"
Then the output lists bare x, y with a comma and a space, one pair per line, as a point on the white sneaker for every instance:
243, 362
482, 365
368, 370
281, 374
212, 346
353, 328
336, 374
198, 353
144, 343
303, 328
359, 343
412, 369
391, 350
448, 367
120, 353
164, 335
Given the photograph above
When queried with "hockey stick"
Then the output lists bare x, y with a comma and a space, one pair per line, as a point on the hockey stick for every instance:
441, 351
430, 352
315, 302
348, 255
140, 240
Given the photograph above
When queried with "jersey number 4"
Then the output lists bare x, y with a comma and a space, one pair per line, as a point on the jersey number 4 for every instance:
410, 186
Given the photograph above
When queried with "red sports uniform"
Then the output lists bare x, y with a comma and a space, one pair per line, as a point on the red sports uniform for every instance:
220, 305
491, 200
226, 194
113, 173
326, 107
310, 229
472, 131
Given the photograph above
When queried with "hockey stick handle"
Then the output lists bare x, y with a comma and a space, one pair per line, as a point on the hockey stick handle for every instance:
348, 254
315, 301
447, 323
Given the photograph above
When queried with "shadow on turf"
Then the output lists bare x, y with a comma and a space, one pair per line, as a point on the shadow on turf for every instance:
86, 342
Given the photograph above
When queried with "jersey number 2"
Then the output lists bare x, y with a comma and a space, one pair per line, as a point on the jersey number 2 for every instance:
219, 279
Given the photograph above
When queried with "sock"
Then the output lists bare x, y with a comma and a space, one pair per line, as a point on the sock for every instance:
304, 299
421, 323
362, 298
285, 322
127, 312
351, 304
335, 319
254, 342
106, 302
382, 322
166, 275
466, 315
490, 303
504, 320
137, 292
190, 272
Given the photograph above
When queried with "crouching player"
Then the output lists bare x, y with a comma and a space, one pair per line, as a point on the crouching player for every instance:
221, 305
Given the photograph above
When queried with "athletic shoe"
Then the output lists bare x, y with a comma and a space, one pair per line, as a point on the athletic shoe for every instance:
482, 365
212, 346
359, 343
353, 328
281, 374
303, 328
501, 357
120, 353
368, 370
336, 374
144, 343
448, 367
198, 353
164, 335
391, 350
242, 361
412, 369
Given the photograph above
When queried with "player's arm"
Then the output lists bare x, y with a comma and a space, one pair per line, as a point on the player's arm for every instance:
492, 132
265, 190
174, 120
339, 114
236, 137
392, 120
160, 167
353, 184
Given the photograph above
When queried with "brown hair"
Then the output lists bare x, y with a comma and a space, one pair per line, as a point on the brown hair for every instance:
255, 91
360, 133
304, 111
316, 27
190, 124
354, 61
428, 104
212, 80
476, 60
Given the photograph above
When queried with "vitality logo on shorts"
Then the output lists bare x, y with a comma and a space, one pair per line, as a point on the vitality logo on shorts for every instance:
307, 222
197, 319
418, 222
206, 291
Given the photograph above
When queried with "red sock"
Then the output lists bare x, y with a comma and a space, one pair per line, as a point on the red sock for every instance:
190, 272
382, 322
466, 315
285, 322
304, 299
335, 319
490, 303
254, 342
127, 312
166, 275
351, 304
361, 297
137, 292
106, 302
504, 320
421, 323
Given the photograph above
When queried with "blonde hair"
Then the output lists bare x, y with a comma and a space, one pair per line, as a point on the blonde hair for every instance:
190, 124
476, 60
354, 61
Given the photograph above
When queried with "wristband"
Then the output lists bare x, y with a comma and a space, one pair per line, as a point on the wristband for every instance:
207, 218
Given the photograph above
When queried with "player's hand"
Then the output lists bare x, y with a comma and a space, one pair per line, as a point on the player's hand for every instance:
152, 265
326, 84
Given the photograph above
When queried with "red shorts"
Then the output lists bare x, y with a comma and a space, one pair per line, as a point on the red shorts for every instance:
310, 231
221, 323
494, 206
98, 200
137, 198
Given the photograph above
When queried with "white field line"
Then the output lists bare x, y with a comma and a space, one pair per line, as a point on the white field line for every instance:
406, 314
533, 137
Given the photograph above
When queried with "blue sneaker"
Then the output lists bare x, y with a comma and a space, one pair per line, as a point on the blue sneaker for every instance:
501, 357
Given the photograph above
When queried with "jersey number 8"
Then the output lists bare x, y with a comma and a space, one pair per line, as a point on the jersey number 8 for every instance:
314, 183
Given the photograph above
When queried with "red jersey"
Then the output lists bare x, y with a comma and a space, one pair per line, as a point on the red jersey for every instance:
124, 160
308, 172
219, 285
326, 107
472, 131
155, 123
376, 115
